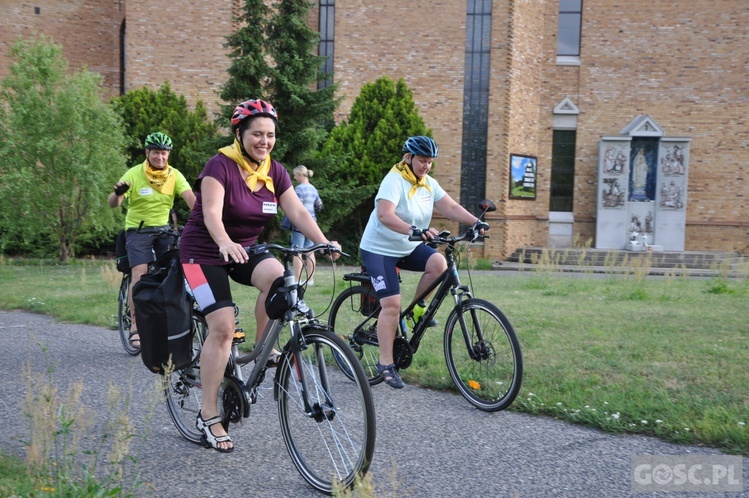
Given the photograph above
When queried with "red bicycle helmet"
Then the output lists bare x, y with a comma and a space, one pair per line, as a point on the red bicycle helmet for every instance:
252, 108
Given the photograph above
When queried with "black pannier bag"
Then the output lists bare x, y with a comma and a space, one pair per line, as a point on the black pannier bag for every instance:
163, 313
120, 253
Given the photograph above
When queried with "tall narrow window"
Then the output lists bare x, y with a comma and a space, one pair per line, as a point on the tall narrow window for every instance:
327, 31
562, 170
122, 58
475, 103
568, 32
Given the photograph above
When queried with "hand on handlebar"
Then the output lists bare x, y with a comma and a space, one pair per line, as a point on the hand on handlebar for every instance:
334, 250
425, 234
231, 251
479, 230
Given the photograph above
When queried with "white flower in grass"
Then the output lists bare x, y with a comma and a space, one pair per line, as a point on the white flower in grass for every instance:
659, 421
615, 416
686, 429
644, 422
559, 404
605, 402
742, 424
530, 394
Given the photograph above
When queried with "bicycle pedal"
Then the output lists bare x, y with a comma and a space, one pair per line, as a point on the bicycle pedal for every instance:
239, 336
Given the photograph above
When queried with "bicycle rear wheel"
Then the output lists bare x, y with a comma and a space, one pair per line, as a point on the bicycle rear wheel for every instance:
182, 388
354, 317
490, 374
335, 439
124, 319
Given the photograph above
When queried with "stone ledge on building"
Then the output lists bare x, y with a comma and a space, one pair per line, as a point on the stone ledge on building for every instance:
703, 263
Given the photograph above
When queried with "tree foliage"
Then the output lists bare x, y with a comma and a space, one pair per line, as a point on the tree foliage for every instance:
273, 58
360, 151
306, 111
145, 111
60, 153
249, 70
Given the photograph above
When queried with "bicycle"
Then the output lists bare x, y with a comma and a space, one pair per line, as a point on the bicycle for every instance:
327, 417
124, 317
481, 348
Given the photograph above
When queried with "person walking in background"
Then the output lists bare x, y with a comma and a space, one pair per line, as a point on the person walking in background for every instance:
310, 198
238, 194
150, 188
404, 202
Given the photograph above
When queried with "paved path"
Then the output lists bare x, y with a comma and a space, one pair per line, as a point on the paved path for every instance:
431, 444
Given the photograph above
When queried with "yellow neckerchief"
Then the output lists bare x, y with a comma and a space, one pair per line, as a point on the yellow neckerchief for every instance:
162, 180
403, 169
234, 152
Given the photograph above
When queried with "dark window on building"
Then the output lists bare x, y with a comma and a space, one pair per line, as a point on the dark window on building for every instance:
327, 31
568, 32
122, 58
475, 103
562, 170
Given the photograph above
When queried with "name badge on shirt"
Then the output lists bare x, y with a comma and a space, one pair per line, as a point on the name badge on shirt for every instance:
270, 207
146, 191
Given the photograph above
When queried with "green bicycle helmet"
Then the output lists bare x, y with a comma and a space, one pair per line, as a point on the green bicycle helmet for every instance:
158, 141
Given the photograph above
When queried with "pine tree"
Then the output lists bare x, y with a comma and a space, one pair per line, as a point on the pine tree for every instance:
304, 110
249, 70
273, 58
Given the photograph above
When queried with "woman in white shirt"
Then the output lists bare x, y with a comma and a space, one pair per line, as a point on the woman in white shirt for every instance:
405, 202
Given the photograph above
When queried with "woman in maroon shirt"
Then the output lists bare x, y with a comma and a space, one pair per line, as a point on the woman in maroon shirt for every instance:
237, 195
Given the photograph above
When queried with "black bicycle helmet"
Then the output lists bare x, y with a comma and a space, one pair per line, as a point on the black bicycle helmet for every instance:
421, 146
158, 141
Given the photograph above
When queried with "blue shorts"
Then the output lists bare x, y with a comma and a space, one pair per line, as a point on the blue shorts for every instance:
144, 247
382, 273
299, 240
210, 284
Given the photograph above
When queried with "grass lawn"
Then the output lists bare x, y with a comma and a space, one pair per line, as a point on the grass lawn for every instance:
626, 353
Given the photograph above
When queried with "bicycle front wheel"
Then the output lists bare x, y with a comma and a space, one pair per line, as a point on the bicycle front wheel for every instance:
124, 319
354, 317
183, 390
483, 355
332, 436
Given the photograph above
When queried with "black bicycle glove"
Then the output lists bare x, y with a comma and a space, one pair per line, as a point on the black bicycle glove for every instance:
416, 232
121, 189
480, 225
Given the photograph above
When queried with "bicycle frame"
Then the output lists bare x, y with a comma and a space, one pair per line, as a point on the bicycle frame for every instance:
448, 281
326, 411
295, 316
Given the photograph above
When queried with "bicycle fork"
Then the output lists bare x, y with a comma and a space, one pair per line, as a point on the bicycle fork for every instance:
303, 372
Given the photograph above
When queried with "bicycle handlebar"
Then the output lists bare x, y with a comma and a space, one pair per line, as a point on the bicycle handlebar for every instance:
267, 247
472, 235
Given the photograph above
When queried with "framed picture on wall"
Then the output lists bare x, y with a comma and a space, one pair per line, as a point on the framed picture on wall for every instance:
523, 176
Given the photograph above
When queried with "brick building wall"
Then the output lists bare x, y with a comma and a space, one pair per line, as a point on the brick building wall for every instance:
88, 30
685, 67
180, 42
671, 59
394, 38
